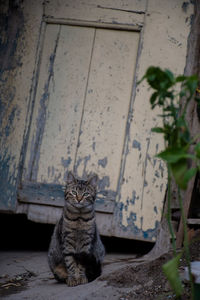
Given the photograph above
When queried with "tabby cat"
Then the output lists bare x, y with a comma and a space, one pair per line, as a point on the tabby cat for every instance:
76, 251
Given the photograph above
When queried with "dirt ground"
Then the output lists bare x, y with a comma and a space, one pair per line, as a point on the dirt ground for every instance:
147, 280
24, 274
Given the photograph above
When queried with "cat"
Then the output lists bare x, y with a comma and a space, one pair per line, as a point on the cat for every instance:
76, 251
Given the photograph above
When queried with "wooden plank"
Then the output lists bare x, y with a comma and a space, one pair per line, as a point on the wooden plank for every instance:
41, 193
66, 100
50, 215
53, 139
191, 68
140, 200
39, 115
106, 109
193, 221
53, 195
130, 12
83, 23
19, 38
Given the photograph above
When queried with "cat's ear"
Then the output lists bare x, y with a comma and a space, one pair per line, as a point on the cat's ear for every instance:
93, 180
70, 178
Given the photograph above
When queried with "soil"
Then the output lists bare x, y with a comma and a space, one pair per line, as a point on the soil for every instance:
14, 285
147, 280
25, 274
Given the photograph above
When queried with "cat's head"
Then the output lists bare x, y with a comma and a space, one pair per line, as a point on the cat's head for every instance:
80, 193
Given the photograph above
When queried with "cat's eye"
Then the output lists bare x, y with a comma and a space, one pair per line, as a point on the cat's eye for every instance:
86, 194
74, 193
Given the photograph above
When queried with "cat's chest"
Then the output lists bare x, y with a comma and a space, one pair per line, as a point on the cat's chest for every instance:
78, 223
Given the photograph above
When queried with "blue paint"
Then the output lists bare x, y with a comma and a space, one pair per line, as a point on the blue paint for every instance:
9, 125
11, 51
185, 6
155, 209
149, 234
66, 162
161, 168
83, 161
136, 145
4, 107
107, 193
41, 119
12, 28
132, 201
157, 147
103, 162
8, 182
94, 146
104, 183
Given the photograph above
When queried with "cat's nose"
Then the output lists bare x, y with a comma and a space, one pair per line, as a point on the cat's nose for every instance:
79, 198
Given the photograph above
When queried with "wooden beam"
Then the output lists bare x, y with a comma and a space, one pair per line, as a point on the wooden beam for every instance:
192, 67
53, 195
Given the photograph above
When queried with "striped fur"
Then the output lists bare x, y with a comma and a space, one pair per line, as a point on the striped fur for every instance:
76, 251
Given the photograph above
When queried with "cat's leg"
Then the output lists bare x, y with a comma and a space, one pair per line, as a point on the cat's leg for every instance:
82, 275
60, 272
75, 272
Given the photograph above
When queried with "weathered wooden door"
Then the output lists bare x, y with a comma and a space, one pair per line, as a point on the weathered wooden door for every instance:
89, 116
81, 109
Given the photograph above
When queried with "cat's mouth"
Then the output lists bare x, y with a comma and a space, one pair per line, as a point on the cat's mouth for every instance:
82, 205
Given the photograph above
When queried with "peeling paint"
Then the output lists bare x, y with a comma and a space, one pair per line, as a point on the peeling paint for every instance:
103, 162
185, 6
12, 27
66, 162
136, 218
104, 183
11, 38
41, 118
94, 146
136, 145
8, 181
82, 162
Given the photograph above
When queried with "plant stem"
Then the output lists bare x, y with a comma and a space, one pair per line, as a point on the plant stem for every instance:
171, 230
186, 243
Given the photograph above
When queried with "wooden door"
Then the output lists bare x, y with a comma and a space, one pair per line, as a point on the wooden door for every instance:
89, 115
80, 115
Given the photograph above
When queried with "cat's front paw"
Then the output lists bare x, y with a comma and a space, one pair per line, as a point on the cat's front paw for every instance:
83, 279
72, 281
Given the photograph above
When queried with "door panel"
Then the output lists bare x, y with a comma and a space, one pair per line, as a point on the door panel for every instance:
80, 114
103, 127
61, 104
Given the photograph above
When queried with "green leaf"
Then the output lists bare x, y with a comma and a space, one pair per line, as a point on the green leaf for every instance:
178, 170
189, 174
173, 155
158, 130
180, 78
197, 150
159, 79
170, 270
153, 98
191, 84
170, 75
